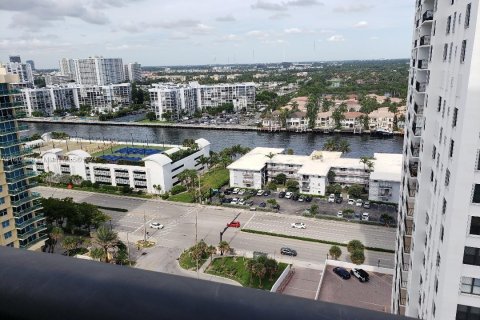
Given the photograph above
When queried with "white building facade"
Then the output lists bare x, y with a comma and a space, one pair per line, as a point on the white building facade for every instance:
133, 72
97, 71
155, 174
438, 246
23, 70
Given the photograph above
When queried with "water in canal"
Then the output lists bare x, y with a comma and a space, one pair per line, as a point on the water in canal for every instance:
301, 143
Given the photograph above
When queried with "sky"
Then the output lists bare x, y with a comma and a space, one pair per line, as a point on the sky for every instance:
193, 32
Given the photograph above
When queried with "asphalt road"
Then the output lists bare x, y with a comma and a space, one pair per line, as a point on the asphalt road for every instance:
180, 221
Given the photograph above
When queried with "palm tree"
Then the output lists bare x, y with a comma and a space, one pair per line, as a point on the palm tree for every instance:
272, 266
97, 254
70, 243
270, 155
335, 252
203, 161
364, 161
343, 146
249, 266
107, 239
223, 246
259, 270
212, 250
55, 234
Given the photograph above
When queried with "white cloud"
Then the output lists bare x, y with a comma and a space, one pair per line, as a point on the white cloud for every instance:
229, 37
279, 16
227, 18
283, 6
201, 29
258, 34
361, 24
178, 36
357, 7
336, 38
292, 30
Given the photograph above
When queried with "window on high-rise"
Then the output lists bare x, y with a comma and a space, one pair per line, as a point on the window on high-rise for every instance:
7, 235
478, 162
470, 285
454, 118
467, 312
475, 226
5, 223
476, 194
452, 143
471, 256
467, 15
449, 22
447, 178
445, 51
463, 51
454, 22
444, 206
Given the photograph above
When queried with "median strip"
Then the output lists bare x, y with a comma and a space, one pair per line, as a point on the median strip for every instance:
312, 240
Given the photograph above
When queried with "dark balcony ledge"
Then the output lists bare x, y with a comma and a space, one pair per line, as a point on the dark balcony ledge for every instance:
46, 286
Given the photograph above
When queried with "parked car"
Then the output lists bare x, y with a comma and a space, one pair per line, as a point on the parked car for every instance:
241, 192
288, 195
295, 197
234, 224
288, 252
351, 201
357, 216
365, 216
308, 199
359, 202
259, 192
235, 190
156, 225
227, 192
340, 214
262, 205
253, 209
241, 202
338, 199
266, 193
252, 192
301, 198
249, 203
276, 206
342, 272
227, 200
360, 274
366, 204
298, 225
331, 198
234, 201
281, 194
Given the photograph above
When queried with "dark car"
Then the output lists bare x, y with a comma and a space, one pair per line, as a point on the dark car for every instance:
295, 197
339, 200
281, 194
308, 199
357, 216
360, 274
262, 205
227, 192
289, 252
252, 192
342, 272
249, 203
276, 206
267, 193
227, 200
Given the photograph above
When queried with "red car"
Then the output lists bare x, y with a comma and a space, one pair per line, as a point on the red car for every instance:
234, 224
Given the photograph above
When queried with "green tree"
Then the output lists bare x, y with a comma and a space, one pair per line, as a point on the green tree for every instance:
272, 202
106, 239
272, 186
312, 111
357, 257
292, 185
223, 246
55, 235
313, 209
335, 252
280, 178
188, 178
387, 219
338, 116
355, 191
271, 265
354, 245
259, 270
97, 254
331, 176
151, 116
289, 151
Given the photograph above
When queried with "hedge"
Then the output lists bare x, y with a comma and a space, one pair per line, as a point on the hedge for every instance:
112, 209
312, 240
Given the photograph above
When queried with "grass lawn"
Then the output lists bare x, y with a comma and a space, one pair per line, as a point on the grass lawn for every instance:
182, 197
214, 179
234, 268
186, 261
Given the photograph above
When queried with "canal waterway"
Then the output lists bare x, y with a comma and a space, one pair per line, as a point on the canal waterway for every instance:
301, 143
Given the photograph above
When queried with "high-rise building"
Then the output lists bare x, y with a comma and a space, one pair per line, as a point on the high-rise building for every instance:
437, 272
15, 58
94, 71
23, 70
22, 225
31, 63
133, 72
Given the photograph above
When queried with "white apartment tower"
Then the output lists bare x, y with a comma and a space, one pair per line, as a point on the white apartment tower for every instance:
133, 72
97, 71
437, 272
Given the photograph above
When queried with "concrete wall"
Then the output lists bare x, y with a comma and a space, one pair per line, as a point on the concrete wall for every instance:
280, 279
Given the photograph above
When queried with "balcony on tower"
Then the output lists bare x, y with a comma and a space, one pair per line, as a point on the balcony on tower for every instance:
425, 40
427, 16
421, 86
422, 64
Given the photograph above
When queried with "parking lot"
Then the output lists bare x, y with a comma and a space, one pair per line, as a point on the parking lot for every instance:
292, 207
374, 294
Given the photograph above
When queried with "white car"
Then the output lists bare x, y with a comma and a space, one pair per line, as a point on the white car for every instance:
241, 192
298, 225
234, 201
351, 201
365, 216
260, 192
331, 198
359, 202
156, 225
242, 202
340, 214
288, 195
235, 191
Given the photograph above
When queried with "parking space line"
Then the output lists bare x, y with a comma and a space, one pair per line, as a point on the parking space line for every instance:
245, 225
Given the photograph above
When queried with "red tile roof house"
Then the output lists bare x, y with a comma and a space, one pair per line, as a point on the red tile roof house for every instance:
297, 121
352, 120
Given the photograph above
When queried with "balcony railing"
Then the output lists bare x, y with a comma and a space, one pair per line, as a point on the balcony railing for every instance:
427, 16
421, 86
20, 127
31, 243
32, 231
413, 167
33, 208
415, 151
422, 64
33, 196
425, 40
103, 289
418, 109
37, 218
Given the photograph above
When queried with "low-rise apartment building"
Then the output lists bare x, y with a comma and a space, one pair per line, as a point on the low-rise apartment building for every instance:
317, 170
155, 172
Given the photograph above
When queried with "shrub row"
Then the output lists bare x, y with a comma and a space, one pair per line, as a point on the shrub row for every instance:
112, 209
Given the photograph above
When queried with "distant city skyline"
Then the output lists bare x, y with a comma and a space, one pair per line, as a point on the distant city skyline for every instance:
191, 32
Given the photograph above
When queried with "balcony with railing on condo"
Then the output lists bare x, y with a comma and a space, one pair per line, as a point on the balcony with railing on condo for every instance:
102, 173
418, 109
422, 64
410, 206
412, 190
408, 224
425, 40
406, 261
404, 279
421, 86
413, 168
415, 150
427, 16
